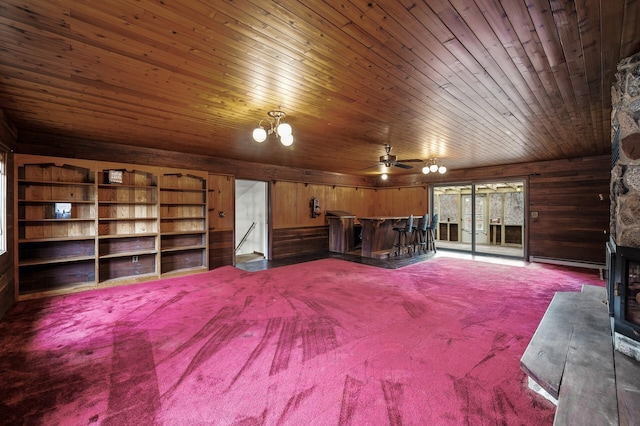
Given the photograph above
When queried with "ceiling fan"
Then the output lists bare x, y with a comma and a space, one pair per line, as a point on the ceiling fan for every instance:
389, 160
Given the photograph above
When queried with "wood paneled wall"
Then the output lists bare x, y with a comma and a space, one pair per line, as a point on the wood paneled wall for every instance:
294, 241
221, 248
221, 220
401, 201
572, 222
291, 202
572, 209
7, 273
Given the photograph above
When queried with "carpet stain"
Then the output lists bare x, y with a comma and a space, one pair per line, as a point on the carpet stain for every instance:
133, 394
350, 394
312, 304
293, 404
272, 327
502, 406
248, 301
224, 315
221, 338
318, 337
415, 310
393, 393
252, 421
286, 342
174, 300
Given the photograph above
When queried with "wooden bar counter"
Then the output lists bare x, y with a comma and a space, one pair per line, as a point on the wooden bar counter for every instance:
378, 234
340, 231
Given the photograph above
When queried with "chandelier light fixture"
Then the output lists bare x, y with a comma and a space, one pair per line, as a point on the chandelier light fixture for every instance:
433, 167
276, 126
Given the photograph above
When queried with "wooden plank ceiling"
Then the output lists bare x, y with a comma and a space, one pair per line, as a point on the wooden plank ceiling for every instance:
471, 82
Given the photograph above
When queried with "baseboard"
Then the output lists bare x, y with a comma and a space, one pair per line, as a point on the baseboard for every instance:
567, 262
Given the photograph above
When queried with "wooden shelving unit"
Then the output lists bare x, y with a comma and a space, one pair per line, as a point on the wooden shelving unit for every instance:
183, 222
127, 224
124, 224
56, 227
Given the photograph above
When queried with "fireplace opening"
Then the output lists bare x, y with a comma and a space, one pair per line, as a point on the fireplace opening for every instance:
624, 298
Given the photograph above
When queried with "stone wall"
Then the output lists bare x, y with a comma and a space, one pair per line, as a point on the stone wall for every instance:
625, 174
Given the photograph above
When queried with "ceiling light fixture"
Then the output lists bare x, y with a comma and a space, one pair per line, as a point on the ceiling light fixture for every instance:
432, 167
384, 176
276, 126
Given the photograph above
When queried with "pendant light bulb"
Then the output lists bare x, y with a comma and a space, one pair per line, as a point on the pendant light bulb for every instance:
259, 134
284, 129
286, 140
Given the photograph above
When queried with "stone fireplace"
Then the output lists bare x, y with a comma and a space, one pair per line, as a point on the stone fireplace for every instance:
623, 261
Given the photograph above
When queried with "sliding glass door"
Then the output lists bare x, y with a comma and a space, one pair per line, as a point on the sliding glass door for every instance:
454, 227
473, 224
481, 217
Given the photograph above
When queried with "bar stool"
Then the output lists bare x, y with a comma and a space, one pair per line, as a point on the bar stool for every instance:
404, 237
420, 234
431, 233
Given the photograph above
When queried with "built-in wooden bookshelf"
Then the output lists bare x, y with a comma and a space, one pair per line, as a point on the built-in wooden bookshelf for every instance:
83, 224
127, 224
183, 222
56, 227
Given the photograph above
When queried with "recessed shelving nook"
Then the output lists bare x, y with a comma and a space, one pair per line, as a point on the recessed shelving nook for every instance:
127, 224
88, 224
56, 248
183, 222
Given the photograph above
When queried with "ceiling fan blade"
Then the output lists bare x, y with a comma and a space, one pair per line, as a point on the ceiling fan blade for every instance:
371, 167
403, 166
412, 160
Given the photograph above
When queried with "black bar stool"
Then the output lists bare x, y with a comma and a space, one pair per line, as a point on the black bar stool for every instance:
420, 234
431, 234
404, 237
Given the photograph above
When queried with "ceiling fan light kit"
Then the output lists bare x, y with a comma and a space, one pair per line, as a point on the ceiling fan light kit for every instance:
276, 126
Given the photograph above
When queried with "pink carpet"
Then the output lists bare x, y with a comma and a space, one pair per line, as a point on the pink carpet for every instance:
327, 342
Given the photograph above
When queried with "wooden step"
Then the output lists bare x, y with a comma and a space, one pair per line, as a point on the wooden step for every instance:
588, 385
545, 357
571, 358
381, 254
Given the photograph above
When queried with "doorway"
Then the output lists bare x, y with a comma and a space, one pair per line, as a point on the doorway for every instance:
481, 217
251, 221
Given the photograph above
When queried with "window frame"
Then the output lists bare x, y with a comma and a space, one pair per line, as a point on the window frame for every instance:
4, 154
